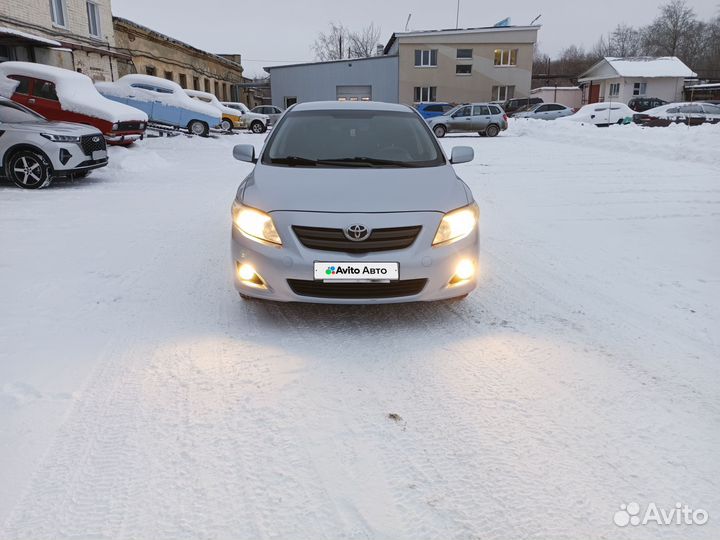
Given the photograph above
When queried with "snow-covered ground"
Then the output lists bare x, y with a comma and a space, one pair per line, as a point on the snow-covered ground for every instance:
141, 398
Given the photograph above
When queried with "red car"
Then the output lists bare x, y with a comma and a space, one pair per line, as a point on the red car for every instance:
64, 95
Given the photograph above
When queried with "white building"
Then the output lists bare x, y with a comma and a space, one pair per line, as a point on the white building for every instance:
570, 96
621, 79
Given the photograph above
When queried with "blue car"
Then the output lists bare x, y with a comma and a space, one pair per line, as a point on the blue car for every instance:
432, 109
165, 102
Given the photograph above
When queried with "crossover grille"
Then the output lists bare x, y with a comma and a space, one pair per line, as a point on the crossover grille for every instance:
325, 239
89, 146
392, 289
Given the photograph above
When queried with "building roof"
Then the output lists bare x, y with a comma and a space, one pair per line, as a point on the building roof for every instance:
456, 31
384, 56
639, 66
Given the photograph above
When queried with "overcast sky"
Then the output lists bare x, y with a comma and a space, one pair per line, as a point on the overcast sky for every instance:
283, 31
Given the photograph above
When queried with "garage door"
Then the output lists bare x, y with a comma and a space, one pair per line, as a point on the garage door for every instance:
354, 93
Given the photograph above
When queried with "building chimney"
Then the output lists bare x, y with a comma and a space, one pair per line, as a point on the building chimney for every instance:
380, 49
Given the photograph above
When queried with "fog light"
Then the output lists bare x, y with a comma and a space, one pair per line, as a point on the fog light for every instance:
248, 276
463, 272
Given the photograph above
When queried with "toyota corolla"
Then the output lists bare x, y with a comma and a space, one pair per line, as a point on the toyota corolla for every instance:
354, 203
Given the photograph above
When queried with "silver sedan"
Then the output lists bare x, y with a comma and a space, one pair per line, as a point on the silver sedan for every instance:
354, 203
545, 111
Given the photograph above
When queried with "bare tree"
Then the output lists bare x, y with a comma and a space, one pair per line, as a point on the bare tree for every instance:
332, 45
673, 30
364, 43
625, 41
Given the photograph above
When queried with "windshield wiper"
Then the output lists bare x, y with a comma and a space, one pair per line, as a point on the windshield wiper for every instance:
294, 160
361, 160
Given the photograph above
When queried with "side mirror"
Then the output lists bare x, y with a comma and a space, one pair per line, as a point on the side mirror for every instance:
461, 154
244, 152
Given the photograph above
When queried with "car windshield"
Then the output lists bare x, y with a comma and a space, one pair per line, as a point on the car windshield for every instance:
352, 138
14, 113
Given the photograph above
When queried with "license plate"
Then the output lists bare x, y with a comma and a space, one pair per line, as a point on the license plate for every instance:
357, 271
99, 154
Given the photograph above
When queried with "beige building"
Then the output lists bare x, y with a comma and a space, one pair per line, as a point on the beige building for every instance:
74, 34
464, 65
152, 53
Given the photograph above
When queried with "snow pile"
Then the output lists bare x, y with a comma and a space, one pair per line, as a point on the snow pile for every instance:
11, 31
677, 142
7, 86
173, 94
649, 66
75, 91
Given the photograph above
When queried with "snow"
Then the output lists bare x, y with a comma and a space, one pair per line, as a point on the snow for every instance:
608, 112
12, 32
75, 91
141, 398
176, 97
647, 66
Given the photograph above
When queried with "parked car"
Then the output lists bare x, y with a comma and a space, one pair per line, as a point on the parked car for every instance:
34, 151
257, 123
63, 95
433, 109
231, 118
640, 104
359, 196
485, 118
602, 114
165, 102
692, 114
545, 111
511, 106
273, 112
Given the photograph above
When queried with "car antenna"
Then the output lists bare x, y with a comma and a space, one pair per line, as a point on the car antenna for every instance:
535, 19
407, 23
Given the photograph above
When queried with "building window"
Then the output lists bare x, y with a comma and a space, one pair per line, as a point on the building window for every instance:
463, 69
169, 75
425, 93
93, 13
207, 85
225, 91
639, 89
290, 100
426, 57
615, 89
217, 89
506, 57
149, 70
503, 93
182, 80
58, 13
196, 83
464, 54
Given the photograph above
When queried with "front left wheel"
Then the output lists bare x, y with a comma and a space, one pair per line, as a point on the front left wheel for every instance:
29, 170
226, 125
196, 127
257, 127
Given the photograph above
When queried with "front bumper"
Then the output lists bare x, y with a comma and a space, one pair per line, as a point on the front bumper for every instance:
294, 261
68, 158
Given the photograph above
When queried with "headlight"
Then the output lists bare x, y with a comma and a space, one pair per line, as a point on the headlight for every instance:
115, 127
142, 125
61, 138
255, 224
457, 224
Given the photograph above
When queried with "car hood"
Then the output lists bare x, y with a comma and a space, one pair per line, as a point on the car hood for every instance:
256, 116
360, 189
55, 128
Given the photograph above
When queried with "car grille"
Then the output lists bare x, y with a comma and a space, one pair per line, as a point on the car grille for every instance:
128, 126
89, 146
334, 239
349, 291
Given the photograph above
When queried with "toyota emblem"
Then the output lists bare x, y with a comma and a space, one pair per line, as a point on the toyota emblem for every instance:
96, 139
356, 232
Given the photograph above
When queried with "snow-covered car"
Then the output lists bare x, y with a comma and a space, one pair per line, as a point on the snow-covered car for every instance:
165, 102
545, 111
231, 118
67, 96
354, 202
692, 114
257, 123
34, 151
602, 114
485, 118
273, 112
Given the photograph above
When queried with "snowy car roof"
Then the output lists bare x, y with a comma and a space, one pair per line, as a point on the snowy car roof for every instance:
76, 92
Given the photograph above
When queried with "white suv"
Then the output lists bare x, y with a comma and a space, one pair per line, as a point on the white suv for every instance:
34, 151
257, 123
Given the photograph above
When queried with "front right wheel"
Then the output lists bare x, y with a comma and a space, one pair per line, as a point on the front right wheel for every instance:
439, 131
196, 127
257, 127
29, 170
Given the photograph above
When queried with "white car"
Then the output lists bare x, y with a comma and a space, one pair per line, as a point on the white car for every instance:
602, 114
231, 118
545, 111
271, 110
34, 151
257, 123
679, 113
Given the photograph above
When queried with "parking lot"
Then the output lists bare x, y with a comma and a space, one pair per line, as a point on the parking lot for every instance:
147, 400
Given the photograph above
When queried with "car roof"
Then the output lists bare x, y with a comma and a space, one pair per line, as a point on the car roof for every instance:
350, 105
